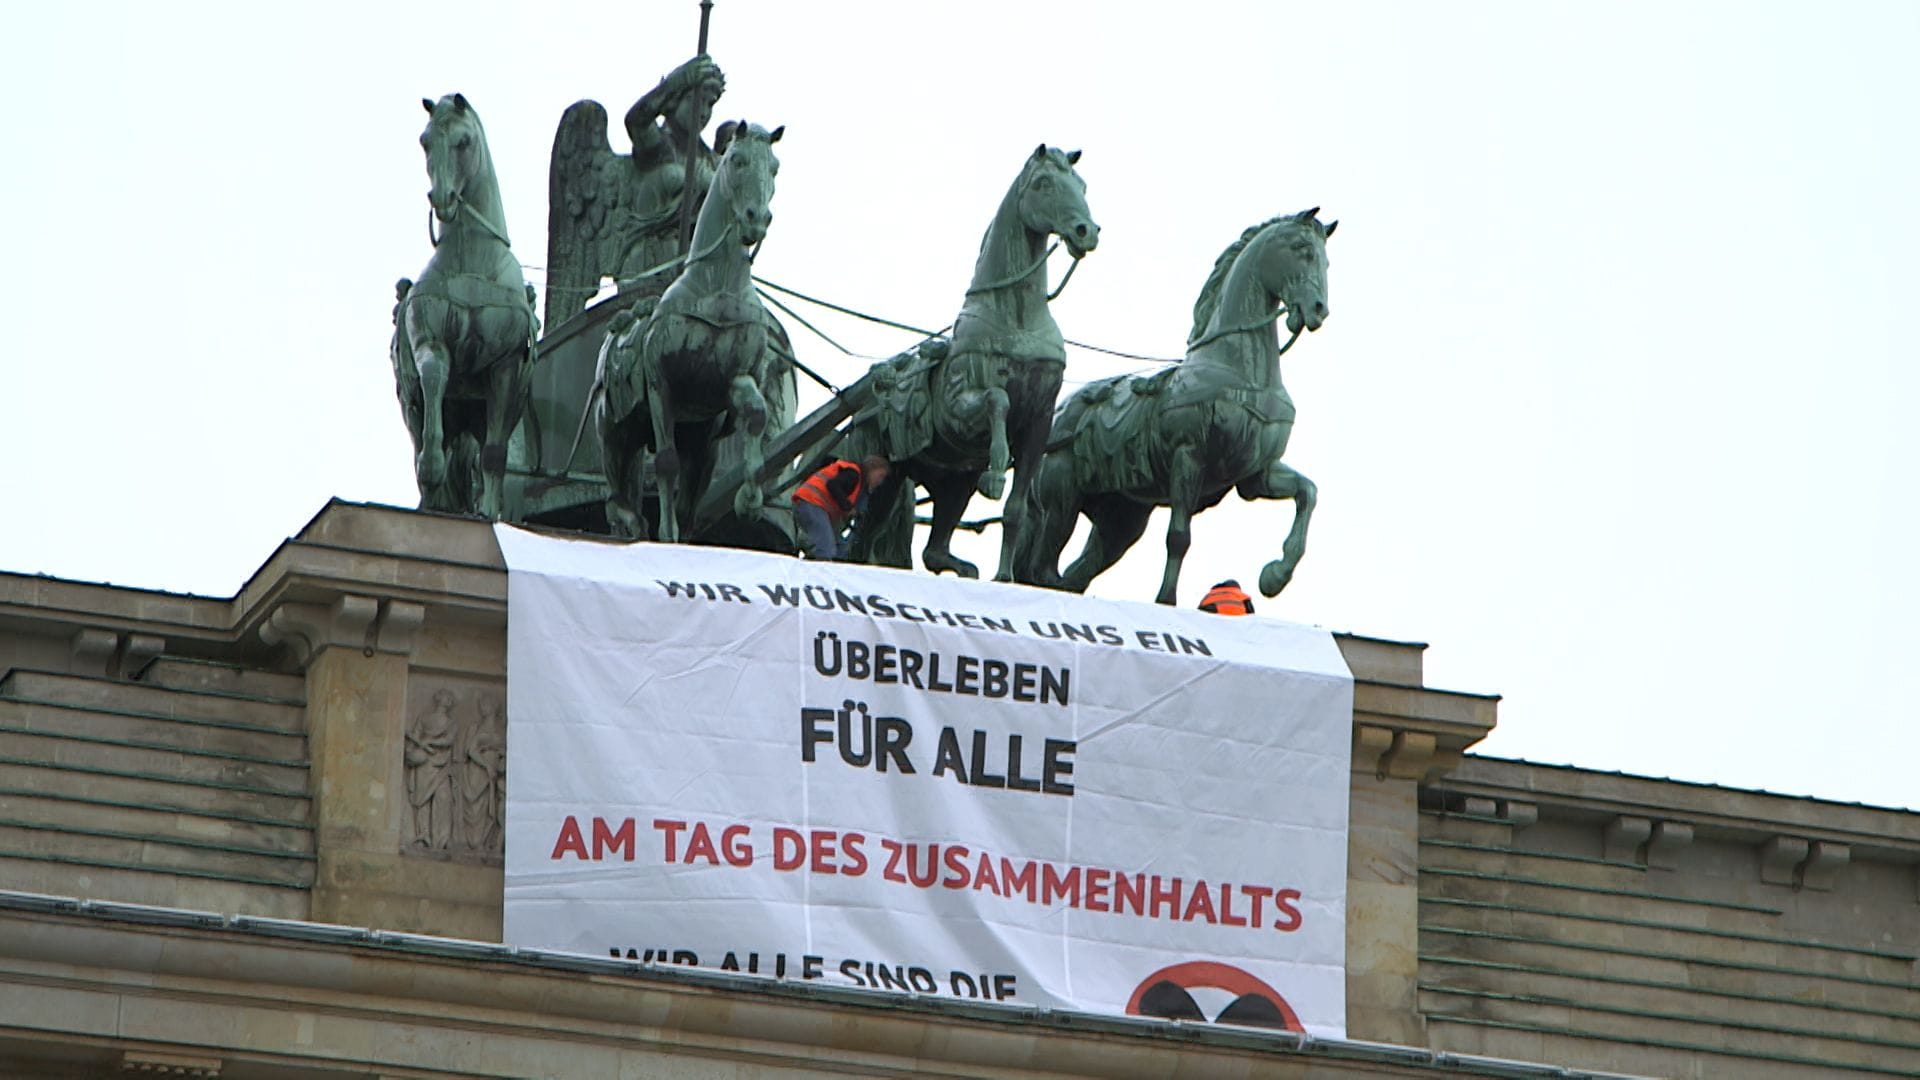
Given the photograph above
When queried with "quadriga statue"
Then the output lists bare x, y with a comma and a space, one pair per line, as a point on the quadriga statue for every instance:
1185, 435
705, 363
958, 414
616, 215
463, 333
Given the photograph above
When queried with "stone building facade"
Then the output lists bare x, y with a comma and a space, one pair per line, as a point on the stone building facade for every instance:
260, 838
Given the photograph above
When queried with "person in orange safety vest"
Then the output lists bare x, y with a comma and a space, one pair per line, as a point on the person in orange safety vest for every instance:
830, 497
1226, 598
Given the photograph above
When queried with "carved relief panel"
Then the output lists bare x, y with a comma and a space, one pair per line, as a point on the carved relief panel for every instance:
455, 764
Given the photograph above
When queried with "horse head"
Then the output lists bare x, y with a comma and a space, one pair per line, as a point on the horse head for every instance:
456, 147
745, 177
1053, 200
1293, 267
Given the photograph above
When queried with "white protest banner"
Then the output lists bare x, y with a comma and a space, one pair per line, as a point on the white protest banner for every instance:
885, 779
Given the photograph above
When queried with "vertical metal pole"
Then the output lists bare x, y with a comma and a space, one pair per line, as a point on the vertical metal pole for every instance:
698, 94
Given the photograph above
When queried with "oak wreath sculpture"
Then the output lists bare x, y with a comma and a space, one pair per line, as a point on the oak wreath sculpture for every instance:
1183, 436
953, 416
463, 340
707, 352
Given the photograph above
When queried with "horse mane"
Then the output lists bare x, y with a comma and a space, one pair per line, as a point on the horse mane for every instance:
1209, 300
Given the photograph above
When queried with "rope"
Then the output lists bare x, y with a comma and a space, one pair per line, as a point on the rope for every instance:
846, 310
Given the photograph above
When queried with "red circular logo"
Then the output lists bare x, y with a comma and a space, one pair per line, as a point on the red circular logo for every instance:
1169, 994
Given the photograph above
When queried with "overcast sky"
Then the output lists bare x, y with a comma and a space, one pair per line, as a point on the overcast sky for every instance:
1611, 406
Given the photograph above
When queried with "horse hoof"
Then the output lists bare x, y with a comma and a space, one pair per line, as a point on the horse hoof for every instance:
1274, 577
992, 484
430, 468
747, 502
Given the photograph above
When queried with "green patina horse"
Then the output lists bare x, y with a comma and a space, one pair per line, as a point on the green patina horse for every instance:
708, 354
463, 333
1186, 434
984, 404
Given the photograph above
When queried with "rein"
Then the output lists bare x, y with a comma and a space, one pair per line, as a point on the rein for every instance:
1259, 325
459, 204
1029, 272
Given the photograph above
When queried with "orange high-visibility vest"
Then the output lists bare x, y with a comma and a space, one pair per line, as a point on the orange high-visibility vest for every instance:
815, 490
1227, 600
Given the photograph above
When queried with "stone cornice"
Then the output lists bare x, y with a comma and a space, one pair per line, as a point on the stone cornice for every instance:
1753, 816
372, 1002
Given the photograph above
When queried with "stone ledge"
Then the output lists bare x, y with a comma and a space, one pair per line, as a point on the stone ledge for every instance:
373, 1002
1705, 810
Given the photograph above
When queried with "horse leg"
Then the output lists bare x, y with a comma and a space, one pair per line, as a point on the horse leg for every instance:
994, 481
1053, 508
624, 497
1013, 514
666, 459
430, 464
951, 493
504, 387
1117, 524
749, 409
1282, 482
1183, 494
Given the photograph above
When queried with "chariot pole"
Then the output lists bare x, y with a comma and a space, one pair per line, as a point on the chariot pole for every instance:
693, 143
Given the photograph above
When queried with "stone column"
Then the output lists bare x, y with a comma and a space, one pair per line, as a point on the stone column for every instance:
355, 653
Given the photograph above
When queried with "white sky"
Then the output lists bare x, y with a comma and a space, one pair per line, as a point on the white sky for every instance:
1608, 408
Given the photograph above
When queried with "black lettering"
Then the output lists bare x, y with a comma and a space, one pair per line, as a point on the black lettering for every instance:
1057, 767
1014, 780
847, 754
894, 735
782, 594
981, 777
813, 731
1023, 681
1053, 685
966, 676
933, 675
884, 657
947, 758
734, 593
910, 668
993, 678
826, 643
880, 607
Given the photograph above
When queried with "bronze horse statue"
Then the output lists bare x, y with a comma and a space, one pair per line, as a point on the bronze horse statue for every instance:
984, 403
1183, 436
463, 335
706, 361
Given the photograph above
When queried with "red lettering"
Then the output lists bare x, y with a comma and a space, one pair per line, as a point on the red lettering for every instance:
892, 871
822, 845
1170, 897
956, 863
1098, 881
570, 840
1258, 893
1130, 888
605, 839
983, 876
1017, 881
672, 830
1054, 886
789, 849
1200, 903
734, 845
1227, 917
700, 845
850, 846
1289, 918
